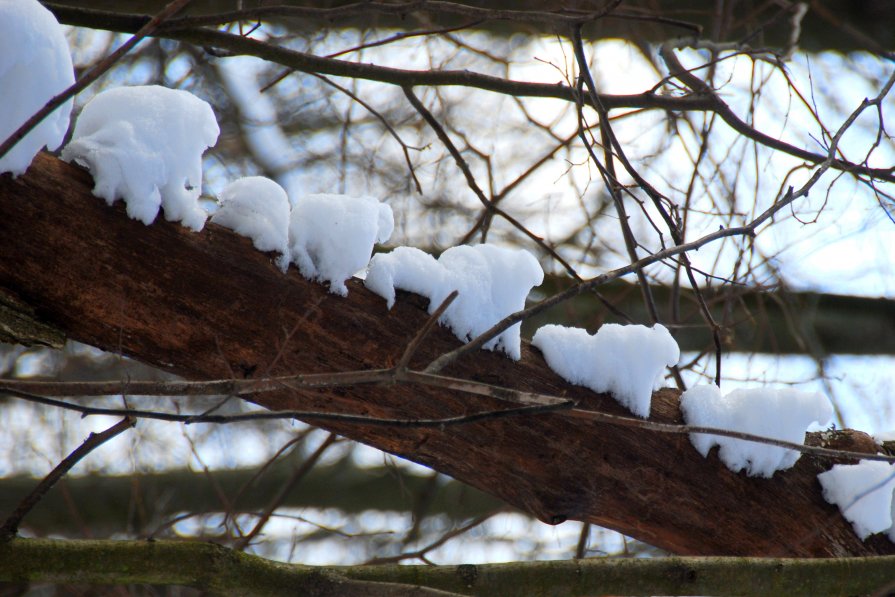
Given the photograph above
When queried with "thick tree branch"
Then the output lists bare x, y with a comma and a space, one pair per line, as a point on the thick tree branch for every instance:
226, 572
203, 305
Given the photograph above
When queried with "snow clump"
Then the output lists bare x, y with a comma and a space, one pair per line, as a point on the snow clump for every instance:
627, 361
782, 414
258, 208
144, 144
35, 65
492, 283
863, 493
331, 237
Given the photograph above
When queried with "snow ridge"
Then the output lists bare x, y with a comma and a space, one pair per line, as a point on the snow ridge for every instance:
626, 361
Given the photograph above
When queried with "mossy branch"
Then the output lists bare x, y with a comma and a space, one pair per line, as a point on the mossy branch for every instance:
223, 571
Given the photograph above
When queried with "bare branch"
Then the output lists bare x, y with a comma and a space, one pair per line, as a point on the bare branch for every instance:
94, 440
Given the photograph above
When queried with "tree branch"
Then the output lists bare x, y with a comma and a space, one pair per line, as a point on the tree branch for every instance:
225, 572
203, 305
94, 440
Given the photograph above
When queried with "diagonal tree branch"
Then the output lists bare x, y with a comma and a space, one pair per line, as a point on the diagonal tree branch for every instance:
182, 301
94, 440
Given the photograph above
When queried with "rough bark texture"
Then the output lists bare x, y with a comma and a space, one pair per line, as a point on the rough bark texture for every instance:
208, 305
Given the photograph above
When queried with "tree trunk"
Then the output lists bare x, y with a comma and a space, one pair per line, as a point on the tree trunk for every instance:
209, 305
104, 503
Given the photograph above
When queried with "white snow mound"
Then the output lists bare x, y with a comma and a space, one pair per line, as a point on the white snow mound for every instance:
863, 493
492, 283
331, 237
627, 361
782, 414
258, 208
35, 65
145, 144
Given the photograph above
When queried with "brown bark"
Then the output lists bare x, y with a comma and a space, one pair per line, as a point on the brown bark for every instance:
208, 305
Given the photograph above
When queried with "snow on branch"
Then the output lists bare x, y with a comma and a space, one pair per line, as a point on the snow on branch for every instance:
145, 144
782, 414
493, 282
31, 42
625, 361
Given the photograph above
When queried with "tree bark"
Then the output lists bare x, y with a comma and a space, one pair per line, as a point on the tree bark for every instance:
209, 305
225, 572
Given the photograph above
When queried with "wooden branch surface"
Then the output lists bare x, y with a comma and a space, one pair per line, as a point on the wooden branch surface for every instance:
221, 571
208, 305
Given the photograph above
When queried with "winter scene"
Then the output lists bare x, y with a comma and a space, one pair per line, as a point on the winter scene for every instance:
447, 298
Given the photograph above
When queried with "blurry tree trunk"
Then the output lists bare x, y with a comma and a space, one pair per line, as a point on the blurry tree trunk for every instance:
775, 321
106, 503
208, 305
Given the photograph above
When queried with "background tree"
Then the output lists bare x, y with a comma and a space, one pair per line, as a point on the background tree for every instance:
520, 126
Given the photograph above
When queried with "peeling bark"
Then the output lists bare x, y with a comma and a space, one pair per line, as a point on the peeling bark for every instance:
208, 305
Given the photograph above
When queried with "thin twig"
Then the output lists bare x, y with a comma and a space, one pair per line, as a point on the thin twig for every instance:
421, 553
607, 172
94, 440
278, 500
532, 403
424, 331
405, 35
236, 387
532, 408
385, 123
611, 142
473, 185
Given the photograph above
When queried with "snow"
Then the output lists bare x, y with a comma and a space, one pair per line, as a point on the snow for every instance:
35, 65
331, 237
492, 283
145, 144
627, 361
258, 208
782, 414
863, 493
